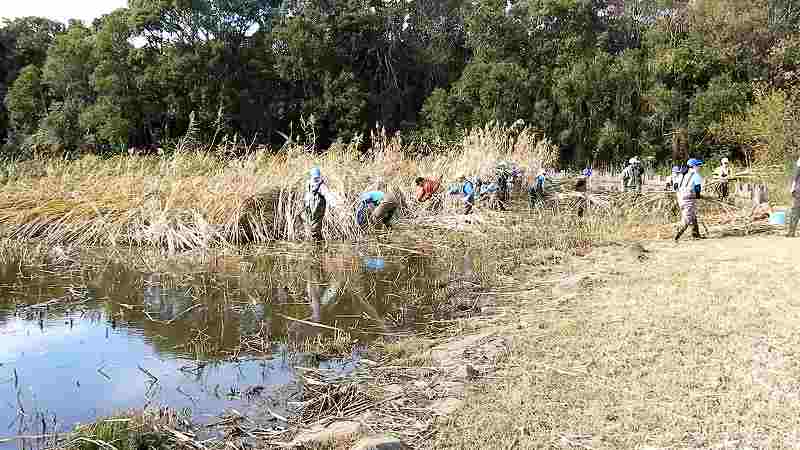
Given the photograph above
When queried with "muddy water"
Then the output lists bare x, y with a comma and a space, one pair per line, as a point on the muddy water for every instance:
89, 338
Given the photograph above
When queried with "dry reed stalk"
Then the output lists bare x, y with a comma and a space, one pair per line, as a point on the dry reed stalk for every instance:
197, 200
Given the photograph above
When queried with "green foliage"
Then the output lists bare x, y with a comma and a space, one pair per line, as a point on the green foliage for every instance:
485, 93
23, 42
604, 79
69, 65
722, 97
768, 131
25, 101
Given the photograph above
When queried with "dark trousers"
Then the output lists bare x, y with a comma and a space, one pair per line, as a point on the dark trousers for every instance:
384, 212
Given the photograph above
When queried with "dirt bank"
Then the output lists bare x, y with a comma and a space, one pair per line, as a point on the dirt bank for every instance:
687, 346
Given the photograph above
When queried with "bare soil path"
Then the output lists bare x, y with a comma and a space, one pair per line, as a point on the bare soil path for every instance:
695, 345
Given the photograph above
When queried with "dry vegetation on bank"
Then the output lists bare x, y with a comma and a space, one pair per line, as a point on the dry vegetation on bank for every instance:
690, 347
199, 199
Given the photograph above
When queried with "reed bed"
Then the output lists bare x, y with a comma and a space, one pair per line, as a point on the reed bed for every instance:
198, 200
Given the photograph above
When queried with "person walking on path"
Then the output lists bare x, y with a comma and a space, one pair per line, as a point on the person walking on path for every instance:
689, 191
316, 200
794, 214
723, 172
426, 188
633, 176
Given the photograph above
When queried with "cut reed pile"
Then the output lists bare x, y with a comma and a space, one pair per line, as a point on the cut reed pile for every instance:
196, 200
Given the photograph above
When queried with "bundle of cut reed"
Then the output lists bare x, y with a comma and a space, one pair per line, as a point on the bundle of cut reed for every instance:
743, 226
336, 398
714, 184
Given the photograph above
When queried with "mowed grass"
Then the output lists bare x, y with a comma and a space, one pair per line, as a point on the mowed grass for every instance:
693, 347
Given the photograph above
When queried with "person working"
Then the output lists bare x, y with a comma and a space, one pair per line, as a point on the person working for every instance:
468, 191
582, 186
632, 176
490, 193
378, 206
675, 181
536, 191
315, 202
426, 188
723, 172
689, 191
503, 176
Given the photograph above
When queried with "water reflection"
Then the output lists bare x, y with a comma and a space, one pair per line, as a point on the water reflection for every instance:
91, 340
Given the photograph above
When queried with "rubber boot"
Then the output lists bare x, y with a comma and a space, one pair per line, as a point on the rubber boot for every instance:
682, 229
696, 230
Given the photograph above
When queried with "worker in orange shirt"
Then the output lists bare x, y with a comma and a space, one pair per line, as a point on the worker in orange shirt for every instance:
426, 187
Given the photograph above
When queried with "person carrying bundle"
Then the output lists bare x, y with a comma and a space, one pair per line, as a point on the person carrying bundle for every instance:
689, 191
723, 172
633, 176
315, 202
794, 214
376, 207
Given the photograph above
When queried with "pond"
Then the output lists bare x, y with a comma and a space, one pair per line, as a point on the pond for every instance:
90, 337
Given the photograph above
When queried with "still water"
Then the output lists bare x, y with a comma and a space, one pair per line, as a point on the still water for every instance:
90, 337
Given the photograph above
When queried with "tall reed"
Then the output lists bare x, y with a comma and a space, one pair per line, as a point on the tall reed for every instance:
201, 199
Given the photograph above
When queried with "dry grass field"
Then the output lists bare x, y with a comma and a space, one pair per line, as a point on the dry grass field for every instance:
684, 346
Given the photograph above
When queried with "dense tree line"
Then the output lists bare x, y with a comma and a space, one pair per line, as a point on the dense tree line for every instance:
604, 79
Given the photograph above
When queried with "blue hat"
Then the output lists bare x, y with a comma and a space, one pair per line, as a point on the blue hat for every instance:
587, 172
676, 169
315, 172
694, 162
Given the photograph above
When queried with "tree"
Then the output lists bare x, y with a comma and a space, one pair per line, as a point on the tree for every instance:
25, 101
67, 76
23, 42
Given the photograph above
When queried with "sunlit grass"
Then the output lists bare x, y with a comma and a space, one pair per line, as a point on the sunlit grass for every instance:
198, 200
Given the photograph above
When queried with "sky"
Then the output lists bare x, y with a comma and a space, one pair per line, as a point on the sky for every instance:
61, 10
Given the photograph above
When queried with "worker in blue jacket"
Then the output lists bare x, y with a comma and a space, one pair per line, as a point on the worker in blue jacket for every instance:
468, 191
536, 191
376, 207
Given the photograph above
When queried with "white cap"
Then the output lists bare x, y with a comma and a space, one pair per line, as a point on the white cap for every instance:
724, 160
634, 160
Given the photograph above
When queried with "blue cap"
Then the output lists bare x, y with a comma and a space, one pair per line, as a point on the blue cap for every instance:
315, 172
676, 169
694, 162
587, 172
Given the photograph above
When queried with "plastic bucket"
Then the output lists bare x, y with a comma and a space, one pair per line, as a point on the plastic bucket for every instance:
777, 218
375, 264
